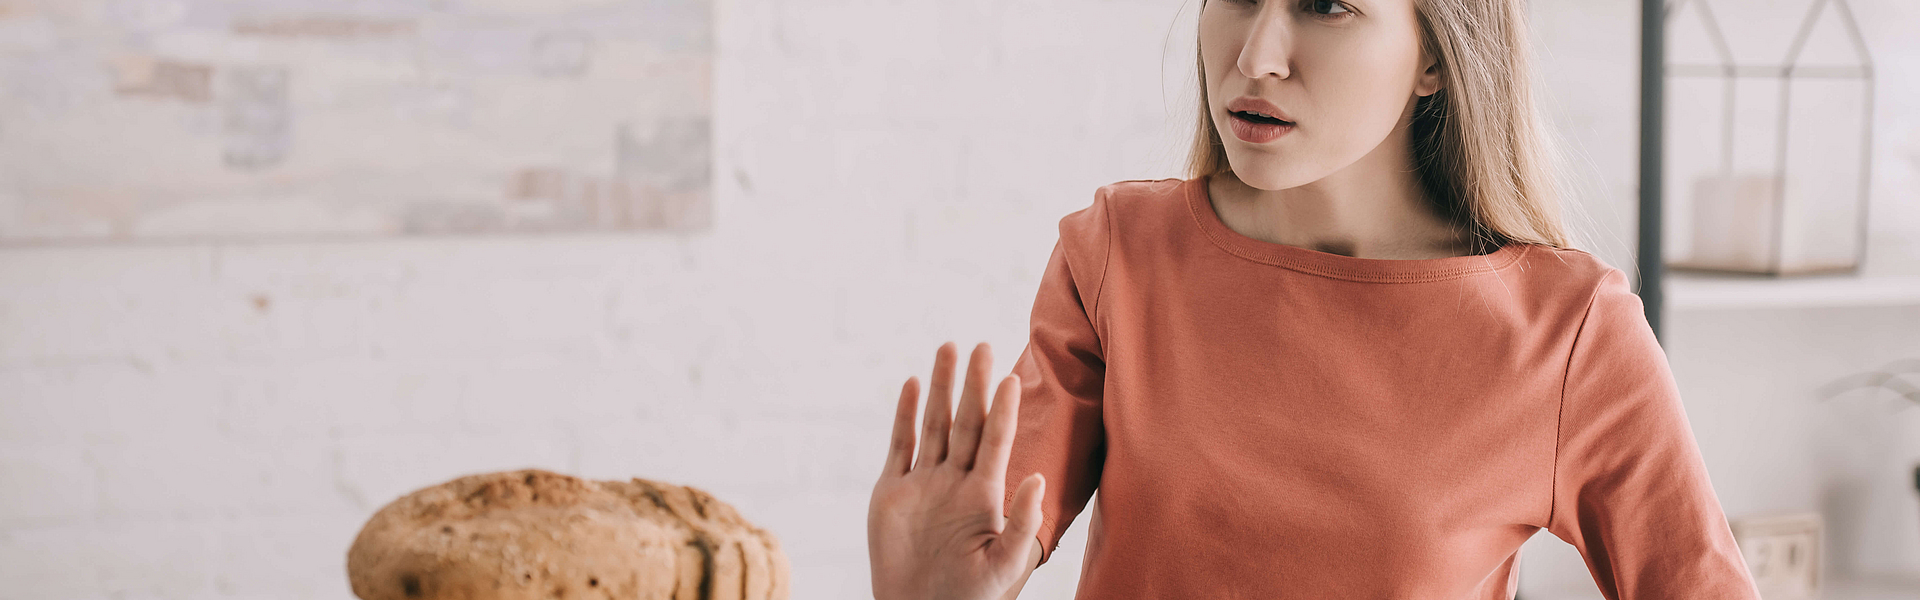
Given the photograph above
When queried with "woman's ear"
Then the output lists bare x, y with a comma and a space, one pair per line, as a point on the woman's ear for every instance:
1429, 81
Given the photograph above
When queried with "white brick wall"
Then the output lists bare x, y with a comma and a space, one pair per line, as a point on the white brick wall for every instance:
216, 420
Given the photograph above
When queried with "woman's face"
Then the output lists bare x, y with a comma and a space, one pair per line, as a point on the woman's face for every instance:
1342, 74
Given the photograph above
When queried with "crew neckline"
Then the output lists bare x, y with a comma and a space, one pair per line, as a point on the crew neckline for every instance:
1337, 266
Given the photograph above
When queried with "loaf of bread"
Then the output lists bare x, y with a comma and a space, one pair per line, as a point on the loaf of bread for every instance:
538, 535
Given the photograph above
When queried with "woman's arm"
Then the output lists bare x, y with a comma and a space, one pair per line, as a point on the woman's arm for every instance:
1045, 427
1063, 379
1630, 490
1063, 374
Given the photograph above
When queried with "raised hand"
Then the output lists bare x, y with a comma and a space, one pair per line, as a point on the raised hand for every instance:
935, 529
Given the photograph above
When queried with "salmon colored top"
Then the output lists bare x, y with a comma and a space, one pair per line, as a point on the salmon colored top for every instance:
1269, 421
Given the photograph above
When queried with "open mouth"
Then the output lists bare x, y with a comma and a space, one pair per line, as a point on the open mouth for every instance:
1254, 117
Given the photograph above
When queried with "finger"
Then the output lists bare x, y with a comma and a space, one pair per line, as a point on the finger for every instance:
996, 442
1024, 523
939, 411
900, 450
973, 408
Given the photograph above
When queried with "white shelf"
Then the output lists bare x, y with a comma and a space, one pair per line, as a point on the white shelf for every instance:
1862, 588
1695, 291
1871, 588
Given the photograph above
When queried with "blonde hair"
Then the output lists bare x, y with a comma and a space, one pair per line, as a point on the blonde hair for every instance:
1484, 155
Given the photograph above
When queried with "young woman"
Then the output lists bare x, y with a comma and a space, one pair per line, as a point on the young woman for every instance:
1350, 356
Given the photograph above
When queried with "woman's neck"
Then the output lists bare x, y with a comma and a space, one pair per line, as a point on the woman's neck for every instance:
1374, 208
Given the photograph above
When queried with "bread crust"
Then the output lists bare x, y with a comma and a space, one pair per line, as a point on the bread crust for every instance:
538, 535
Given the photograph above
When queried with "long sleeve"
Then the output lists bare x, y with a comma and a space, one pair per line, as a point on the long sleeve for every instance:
1062, 379
1630, 489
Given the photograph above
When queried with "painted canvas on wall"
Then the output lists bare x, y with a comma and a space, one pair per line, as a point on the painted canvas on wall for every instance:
135, 120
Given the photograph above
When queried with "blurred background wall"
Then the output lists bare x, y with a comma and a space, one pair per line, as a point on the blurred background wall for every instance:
203, 419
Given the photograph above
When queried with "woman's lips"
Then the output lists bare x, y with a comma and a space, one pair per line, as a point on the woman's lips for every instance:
1256, 133
1258, 105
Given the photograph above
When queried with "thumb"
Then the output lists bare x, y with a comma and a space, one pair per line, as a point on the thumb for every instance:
1024, 523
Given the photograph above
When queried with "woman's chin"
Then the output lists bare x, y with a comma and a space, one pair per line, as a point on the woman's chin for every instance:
1268, 179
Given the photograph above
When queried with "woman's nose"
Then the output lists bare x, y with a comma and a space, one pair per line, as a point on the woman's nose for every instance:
1267, 49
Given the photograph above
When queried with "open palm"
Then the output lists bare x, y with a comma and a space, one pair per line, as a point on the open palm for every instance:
935, 529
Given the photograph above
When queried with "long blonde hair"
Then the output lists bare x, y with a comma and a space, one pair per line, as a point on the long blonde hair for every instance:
1485, 156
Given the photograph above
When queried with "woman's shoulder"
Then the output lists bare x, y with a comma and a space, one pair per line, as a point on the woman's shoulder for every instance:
1136, 190
1581, 281
1127, 203
1133, 195
1569, 265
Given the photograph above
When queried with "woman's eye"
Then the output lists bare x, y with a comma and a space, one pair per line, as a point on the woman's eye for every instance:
1317, 5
